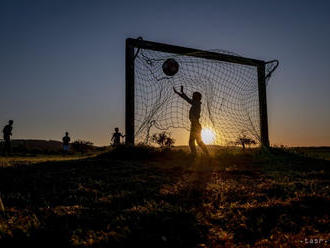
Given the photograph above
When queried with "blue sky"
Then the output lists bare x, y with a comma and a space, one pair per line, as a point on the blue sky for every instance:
62, 62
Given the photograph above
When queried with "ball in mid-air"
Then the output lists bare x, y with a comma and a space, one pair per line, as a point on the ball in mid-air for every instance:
170, 67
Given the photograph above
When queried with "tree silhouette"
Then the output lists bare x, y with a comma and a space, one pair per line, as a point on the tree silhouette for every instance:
163, 139
244, 140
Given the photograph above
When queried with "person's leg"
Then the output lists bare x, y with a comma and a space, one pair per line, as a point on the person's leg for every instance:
9, 147
192, 142
65, 150
200, 142
202, 146
6, 148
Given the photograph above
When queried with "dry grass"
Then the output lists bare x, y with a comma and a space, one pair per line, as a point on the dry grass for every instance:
20, 160
143, 197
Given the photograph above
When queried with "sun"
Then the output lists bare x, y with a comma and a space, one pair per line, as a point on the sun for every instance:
208, 136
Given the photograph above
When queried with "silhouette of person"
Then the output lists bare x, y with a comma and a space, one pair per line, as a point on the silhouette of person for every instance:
7, 132
116, 136
194, 115
66, 141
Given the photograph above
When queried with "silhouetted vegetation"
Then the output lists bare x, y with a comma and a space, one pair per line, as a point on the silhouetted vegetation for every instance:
50, 147
244, 141
163, 139
82, 146
34, 147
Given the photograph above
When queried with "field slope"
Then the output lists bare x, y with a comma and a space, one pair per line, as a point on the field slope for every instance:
148, 198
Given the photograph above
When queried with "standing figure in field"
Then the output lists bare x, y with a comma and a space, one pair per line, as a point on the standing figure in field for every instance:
116, 137
66, 141
7, 132
194, 115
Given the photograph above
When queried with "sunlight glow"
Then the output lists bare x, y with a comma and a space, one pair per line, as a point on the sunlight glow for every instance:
208, 136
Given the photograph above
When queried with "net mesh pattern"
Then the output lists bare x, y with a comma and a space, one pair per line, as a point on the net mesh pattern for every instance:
230, 105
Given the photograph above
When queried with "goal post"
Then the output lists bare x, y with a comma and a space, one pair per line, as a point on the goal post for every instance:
129, 96
263, 105
133, 46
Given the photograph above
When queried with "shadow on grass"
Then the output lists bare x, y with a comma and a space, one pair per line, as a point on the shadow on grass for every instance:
113, 199
143, 196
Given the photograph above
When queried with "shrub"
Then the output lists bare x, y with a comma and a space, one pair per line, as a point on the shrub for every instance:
82, 146
163, 139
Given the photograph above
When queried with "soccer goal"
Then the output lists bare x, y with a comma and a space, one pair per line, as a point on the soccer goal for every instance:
233, 89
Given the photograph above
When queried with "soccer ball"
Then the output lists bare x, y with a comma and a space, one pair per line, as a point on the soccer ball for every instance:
170, 67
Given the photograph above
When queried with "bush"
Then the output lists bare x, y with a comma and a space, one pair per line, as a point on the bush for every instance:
164, 140
82, 146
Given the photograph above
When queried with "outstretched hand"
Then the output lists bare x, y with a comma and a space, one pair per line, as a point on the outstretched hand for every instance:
183, 95
181, 89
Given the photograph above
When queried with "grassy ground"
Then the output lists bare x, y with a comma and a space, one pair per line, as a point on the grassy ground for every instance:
35, 159
146, 198
315, 152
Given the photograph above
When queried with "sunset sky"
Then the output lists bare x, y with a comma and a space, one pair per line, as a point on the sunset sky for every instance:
62, 63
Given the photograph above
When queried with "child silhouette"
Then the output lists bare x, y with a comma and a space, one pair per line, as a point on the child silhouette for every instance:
116, 136
7, 132
194, 115
66, 142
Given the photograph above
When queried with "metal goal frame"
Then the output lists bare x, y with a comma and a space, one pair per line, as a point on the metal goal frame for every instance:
139, 43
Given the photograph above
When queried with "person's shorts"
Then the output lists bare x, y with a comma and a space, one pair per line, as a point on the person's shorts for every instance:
66, 148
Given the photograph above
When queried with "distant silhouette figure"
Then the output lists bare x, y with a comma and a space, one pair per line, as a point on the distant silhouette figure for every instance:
7, 132
66, 141
116, 136
194, 115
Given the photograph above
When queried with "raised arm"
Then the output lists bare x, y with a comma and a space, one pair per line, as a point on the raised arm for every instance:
183, 95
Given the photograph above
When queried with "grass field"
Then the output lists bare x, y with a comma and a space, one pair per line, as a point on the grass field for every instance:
35, 159
144, 197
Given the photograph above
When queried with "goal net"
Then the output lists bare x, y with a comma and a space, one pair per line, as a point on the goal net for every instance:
230, 97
